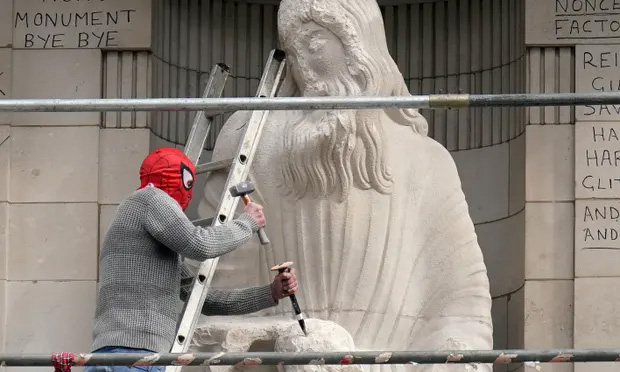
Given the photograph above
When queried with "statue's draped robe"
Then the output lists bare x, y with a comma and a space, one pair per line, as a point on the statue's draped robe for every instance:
399, 272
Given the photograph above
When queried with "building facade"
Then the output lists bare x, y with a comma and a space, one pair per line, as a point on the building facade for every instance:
542, 183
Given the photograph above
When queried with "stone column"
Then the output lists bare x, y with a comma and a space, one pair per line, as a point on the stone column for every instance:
62, 173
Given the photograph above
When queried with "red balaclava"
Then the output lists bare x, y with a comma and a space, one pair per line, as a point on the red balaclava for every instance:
170, 170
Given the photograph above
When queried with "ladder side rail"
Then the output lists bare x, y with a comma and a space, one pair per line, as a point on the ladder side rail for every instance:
202, 124
239, 171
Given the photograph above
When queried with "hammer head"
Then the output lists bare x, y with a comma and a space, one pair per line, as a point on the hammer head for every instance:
241, 189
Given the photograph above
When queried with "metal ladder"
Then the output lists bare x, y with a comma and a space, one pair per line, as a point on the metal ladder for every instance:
239, 170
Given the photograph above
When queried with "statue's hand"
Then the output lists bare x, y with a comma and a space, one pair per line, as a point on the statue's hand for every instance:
284, 284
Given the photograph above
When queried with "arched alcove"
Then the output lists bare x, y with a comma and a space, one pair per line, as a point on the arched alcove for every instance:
440, 46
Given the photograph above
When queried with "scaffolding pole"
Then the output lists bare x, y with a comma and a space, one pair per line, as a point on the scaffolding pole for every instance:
326, 358
218, 105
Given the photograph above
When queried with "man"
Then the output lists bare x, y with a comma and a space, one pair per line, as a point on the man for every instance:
140, 267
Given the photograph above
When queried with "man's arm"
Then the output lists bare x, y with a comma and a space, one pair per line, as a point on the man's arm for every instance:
234, 302
238, 301
167, 223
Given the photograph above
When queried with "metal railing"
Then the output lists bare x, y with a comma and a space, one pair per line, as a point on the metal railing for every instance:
323, 358
218, 105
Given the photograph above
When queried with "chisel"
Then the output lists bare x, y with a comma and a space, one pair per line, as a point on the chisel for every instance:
286, 267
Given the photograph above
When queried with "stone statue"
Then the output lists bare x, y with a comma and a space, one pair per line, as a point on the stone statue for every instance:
367, 206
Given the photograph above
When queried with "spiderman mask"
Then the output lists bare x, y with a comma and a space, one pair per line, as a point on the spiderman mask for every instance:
169, 170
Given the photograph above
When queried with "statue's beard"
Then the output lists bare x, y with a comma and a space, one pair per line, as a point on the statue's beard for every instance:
329, 154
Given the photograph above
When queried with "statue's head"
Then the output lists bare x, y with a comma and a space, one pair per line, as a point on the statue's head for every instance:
338, 47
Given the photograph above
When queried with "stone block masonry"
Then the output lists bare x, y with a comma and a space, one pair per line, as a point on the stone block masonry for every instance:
76, 74
62, 174
589, 153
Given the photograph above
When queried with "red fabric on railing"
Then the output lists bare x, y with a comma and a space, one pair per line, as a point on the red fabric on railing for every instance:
62, 362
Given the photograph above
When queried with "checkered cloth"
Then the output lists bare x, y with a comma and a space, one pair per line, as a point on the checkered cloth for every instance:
62, 362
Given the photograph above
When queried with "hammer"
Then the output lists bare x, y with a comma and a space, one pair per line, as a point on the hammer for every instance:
244, 189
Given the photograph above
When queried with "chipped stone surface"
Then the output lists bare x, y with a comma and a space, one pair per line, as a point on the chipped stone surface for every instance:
322, 336
280, 334
110, 24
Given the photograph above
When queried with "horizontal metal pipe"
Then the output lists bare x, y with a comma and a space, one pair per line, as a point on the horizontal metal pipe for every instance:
211, 105
326, 358
216, 105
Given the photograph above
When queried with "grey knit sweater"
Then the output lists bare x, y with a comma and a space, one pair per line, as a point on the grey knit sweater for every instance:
140, 272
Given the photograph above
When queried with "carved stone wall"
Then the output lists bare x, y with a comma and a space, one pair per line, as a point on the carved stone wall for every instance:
571, 189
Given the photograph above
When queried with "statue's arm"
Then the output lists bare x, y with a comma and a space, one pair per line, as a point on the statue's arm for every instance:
460, 309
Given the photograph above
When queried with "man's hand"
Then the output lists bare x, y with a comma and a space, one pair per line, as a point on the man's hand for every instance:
284, 284
256, 212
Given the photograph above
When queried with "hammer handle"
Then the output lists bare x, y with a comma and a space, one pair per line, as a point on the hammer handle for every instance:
262, 237
261, 233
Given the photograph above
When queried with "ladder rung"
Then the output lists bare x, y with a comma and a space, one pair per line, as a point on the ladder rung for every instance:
204, 222
214, 166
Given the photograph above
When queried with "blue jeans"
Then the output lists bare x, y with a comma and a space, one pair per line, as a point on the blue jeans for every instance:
123, 368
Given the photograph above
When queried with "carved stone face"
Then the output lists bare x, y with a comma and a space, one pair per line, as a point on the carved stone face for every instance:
316, 55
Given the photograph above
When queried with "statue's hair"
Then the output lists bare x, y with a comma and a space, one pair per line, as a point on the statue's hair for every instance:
359, 26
